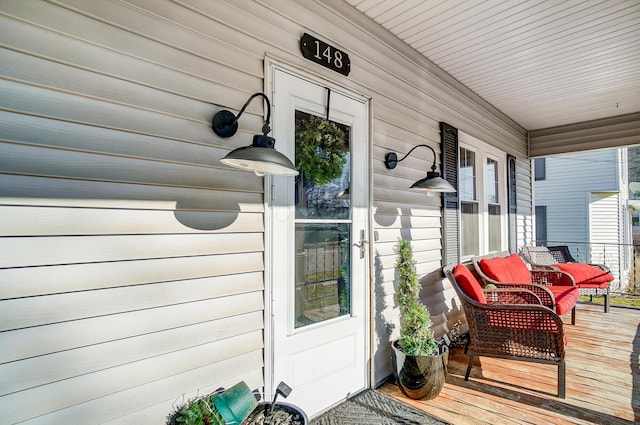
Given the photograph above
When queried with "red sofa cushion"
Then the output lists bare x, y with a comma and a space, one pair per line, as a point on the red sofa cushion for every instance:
469, 284
566, 298
586, 275
508, 269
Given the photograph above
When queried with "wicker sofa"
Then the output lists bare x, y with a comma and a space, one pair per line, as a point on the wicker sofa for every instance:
510, 323
590, 279
556, 289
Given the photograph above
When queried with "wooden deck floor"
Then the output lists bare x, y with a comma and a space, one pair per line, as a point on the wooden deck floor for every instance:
603, 380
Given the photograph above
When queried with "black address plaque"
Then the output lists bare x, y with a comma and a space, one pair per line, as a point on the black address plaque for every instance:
324, 54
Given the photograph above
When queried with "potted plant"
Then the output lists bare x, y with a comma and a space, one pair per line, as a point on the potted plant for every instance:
276, 412
230, 406
197, 411
237, 405
419, 361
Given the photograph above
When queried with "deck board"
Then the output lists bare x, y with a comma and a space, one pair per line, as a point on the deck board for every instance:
603, 380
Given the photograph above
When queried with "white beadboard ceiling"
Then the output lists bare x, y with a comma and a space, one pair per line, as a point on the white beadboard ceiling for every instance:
542, 63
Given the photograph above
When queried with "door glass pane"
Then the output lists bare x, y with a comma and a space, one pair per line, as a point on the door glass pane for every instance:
323, 278
321, 200
323, 222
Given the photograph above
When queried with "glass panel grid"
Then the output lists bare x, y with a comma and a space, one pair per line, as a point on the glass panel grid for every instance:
467, 175
495, 228
469, 229
491, 179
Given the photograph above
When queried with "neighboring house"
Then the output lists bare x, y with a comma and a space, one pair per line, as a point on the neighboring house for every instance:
582, 200
138, 271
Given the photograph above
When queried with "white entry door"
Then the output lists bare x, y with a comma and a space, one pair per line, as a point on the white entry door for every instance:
319, 253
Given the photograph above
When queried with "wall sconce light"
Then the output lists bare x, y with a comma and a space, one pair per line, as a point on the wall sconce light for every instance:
259, 157
433, 183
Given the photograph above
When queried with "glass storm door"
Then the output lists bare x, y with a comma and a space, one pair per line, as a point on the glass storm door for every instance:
318, 256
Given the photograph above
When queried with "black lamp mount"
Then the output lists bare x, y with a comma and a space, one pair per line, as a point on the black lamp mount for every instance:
261, 156
432, 183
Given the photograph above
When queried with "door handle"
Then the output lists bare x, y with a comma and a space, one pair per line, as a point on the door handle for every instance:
361, 244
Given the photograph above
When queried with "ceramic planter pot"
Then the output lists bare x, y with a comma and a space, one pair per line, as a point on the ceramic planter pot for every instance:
283, 414
420, 377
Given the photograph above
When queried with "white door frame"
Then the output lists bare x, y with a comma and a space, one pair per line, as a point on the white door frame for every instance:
270, 64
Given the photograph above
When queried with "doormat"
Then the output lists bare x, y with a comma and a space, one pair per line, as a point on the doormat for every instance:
373, 407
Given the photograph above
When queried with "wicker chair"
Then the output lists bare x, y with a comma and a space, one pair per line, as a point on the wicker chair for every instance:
555, 288
547, 258
509, 323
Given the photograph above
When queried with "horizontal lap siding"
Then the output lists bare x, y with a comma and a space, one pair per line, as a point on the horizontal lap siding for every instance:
132, 266
605, 233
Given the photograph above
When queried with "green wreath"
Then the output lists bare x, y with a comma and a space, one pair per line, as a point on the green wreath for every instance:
320, 150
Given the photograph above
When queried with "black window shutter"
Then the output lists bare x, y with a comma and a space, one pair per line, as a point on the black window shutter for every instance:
450, 201
512, 199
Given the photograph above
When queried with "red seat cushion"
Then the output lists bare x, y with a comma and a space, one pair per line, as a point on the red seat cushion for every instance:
586, 275
508, 269
469, 284
566, 298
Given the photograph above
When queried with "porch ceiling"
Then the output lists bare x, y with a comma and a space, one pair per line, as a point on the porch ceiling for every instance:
542, 63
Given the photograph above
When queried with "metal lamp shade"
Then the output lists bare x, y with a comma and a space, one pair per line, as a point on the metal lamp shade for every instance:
261, 160
260, 157
434, 183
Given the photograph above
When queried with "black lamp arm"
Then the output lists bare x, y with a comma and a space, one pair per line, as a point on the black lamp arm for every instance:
225, 123
265, 127
391, 159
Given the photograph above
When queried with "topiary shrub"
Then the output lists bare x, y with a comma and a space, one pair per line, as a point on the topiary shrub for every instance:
416, 337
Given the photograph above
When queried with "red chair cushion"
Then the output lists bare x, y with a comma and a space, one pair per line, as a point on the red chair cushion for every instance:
469, 284
508, 269
586, 275
566, 298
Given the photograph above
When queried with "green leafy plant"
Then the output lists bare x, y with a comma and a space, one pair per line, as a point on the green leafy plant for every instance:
416, 338
199, 411
320, 150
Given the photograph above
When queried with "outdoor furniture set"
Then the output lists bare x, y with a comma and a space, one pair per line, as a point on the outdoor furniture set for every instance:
514, 312
591, 279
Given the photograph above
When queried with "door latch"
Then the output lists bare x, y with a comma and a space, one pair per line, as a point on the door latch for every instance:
361, 244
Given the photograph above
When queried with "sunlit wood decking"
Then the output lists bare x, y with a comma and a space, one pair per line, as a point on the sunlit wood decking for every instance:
603, 380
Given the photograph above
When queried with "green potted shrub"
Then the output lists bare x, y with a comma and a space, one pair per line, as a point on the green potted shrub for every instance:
231, 406
237, 405
199, 411
419, 361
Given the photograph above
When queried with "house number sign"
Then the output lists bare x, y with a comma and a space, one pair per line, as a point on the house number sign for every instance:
324, 54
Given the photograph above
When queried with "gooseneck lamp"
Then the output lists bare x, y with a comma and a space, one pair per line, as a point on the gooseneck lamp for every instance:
259, 157
433, 183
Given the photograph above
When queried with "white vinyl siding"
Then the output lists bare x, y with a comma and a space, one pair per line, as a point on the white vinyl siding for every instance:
565, 192
586, 196
606, 230
133, 261
132, 266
